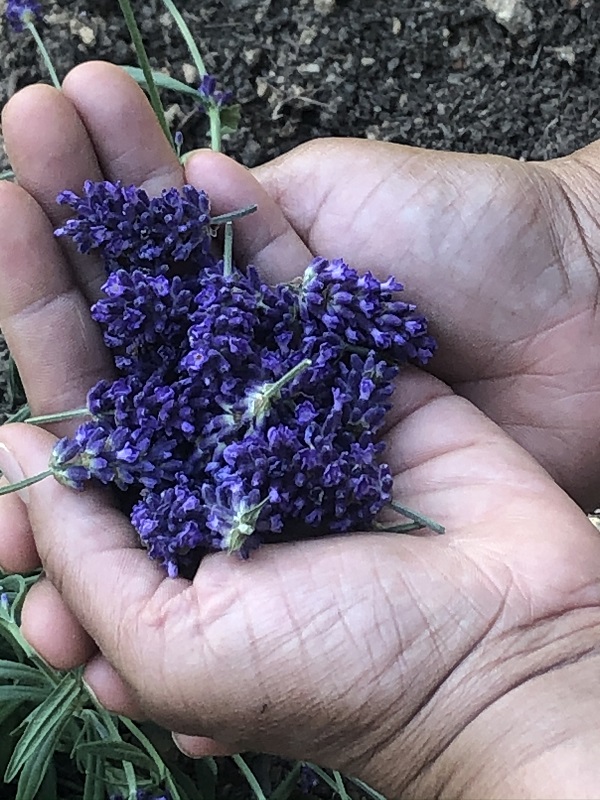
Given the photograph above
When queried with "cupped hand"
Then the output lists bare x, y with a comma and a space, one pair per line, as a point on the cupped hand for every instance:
504, 256
403, 660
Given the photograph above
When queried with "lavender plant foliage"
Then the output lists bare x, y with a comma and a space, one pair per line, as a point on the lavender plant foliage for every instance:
242, 413
19, 12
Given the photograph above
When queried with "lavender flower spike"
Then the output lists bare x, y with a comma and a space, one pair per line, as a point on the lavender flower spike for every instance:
211, 95
20, 12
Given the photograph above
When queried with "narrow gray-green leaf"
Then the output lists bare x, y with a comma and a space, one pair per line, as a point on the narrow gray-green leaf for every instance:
250, 777
181, 787
368, 789
323, 775
119, 751
205, 773
35, 767
44, 724
148, 747
15, 671
288, 784
163, 81
339, 782
23, 694
7, 709
94, 788
48, 790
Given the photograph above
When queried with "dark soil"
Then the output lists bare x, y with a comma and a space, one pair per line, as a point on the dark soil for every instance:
423, 72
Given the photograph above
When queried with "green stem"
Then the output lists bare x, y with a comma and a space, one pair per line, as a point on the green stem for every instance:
58, 417
214, 113
216, 138
187, 36
425, 522
232, 215
273, 389
144, 63
14, 487
405, 527
228, 249
44, 53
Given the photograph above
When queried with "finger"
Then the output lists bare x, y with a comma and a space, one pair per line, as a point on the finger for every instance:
50, 150
52, 630
128, 141
46, 321
265, 238
111, 690
17, 545
89, 551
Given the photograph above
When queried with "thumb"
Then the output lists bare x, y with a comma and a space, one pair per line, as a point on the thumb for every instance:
88, 549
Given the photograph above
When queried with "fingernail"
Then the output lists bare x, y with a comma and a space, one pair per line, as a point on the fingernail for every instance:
12, 471
180, 742
200, 746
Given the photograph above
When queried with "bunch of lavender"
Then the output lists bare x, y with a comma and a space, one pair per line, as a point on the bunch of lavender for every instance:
242, 412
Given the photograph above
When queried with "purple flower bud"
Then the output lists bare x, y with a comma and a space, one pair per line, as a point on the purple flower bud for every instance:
211, 95
20, 12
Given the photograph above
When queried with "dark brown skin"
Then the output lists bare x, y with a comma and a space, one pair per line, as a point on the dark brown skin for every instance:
457, 666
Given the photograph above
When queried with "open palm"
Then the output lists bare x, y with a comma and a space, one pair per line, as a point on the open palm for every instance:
362, 651
505, 256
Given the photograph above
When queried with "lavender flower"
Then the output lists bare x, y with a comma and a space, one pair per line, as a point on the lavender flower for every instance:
362, 311
116, 455
243, 413
210, 95
20, 12
145, 794
132, 230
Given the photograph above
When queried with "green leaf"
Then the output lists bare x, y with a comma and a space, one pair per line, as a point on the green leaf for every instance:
181, 786
48, 790
152, 752
23, 694
323, 775
339, 782
94, 788
163, 81
8, 709
368, 789
34, 768
7, 175
15, 671
19, 416
43, 727
10, 633
250, 777
114, 750
205, 773
230, 118
288, 784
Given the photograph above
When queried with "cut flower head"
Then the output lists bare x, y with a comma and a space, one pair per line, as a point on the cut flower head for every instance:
242, 413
